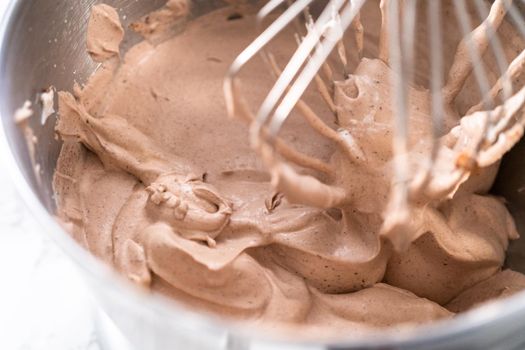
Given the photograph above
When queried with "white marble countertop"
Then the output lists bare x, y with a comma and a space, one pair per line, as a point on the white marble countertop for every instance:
43, 301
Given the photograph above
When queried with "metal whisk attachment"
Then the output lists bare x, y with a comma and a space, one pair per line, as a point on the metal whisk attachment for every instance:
423, 166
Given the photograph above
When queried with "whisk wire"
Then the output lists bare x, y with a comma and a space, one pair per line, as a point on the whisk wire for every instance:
398, 51
436, 71
401, 64
297, 61
333, 30
259, 43
267, 9
474, 52
499, 52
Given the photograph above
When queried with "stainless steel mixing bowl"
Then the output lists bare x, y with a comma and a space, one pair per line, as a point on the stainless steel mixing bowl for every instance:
42, 43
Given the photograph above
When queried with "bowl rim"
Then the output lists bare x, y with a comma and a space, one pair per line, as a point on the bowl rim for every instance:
508, 313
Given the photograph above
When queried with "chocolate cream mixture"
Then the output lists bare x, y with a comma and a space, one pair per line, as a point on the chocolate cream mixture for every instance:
154, 179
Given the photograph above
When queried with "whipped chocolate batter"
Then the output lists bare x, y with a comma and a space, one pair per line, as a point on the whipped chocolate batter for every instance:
154, 179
